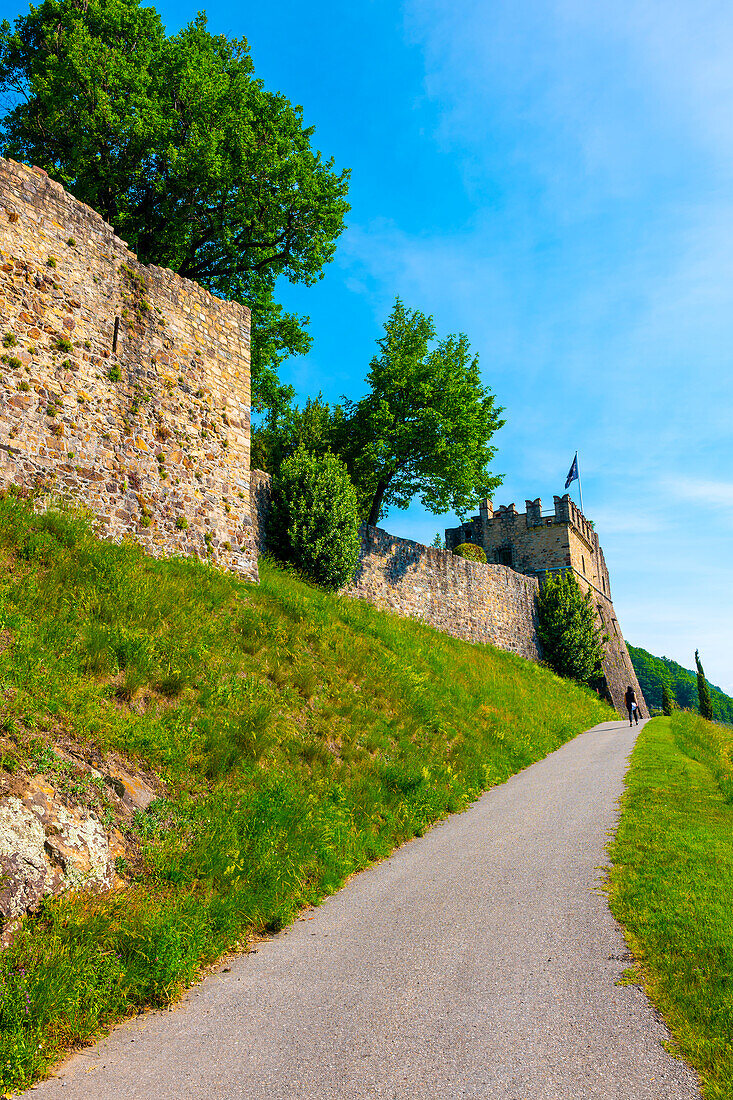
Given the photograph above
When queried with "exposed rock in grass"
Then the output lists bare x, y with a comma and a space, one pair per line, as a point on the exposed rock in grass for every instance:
47, 847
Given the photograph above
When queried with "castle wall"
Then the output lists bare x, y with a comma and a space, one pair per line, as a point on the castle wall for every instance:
476, 602
122, 386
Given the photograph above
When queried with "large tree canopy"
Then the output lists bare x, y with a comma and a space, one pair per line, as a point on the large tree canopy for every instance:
425, 427
182, 149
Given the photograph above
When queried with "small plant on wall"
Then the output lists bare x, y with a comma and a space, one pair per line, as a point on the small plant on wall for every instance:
471, 552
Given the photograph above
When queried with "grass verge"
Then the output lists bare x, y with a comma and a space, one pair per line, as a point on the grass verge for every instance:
671, 885
298, 736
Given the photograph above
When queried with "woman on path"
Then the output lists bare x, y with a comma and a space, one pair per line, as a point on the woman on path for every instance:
632, 706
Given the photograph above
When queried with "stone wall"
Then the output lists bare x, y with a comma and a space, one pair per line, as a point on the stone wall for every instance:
479, 603
122, 386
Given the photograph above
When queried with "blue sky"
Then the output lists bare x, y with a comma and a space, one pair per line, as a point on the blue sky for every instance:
552, 177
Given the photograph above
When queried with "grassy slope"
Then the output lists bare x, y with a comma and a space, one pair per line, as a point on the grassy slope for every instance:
299, 737
672, 885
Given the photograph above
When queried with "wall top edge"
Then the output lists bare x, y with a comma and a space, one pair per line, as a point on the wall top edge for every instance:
43, 182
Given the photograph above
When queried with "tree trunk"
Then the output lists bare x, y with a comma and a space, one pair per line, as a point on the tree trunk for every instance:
377, 502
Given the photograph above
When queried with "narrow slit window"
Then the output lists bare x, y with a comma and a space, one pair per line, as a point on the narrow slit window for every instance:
115, 334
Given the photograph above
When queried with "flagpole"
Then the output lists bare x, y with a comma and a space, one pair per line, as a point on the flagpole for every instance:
580, 483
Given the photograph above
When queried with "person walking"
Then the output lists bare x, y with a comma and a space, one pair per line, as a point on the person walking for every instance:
632, 706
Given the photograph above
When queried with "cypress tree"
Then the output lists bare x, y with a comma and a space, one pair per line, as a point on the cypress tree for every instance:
668, 701
703, 691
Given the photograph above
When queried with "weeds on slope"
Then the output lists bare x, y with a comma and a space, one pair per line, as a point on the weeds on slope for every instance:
671, 885
298, 736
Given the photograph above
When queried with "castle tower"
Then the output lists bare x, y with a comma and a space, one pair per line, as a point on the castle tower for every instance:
535, 543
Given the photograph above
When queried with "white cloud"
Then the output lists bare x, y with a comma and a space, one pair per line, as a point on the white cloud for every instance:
717, 494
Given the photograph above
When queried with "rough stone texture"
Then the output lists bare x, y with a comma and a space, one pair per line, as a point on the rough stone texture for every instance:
494, 603
134, 791
123, 387
476, 602
536, 543
47, 847
259, 496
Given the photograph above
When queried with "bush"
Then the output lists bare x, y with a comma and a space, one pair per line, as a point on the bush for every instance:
470, 552
566, 625
313, 521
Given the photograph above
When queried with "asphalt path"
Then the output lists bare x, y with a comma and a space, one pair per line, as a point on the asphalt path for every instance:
480, 960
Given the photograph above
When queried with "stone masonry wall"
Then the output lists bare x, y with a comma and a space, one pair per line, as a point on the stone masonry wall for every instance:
122, 386
479, 603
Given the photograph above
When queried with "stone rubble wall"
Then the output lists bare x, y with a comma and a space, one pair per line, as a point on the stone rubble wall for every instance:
472, 601
122, 386
469, 600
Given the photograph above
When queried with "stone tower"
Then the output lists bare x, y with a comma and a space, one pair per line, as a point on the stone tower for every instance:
534, 542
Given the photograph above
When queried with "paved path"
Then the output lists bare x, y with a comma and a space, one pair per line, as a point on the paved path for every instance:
478, 961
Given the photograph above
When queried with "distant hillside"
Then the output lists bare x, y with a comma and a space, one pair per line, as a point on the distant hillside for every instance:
651, 670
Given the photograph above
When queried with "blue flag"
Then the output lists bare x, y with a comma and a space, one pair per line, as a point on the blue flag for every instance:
573, 472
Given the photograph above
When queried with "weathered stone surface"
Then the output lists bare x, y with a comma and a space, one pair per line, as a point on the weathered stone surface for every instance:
47, 847
134, 791
122, 387
476, 602
479, 603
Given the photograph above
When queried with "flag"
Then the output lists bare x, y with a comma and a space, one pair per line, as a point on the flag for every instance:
572, 472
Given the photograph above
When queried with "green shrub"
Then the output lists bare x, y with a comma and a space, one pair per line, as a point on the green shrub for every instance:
566, 625
64, 344
313, 521
9, 340
115, 375
470, 552
181, 523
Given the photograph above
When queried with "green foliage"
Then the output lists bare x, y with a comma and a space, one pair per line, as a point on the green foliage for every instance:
705, 705
653, 671
312, 428
299, 736
313, 520
566, 625
425, 427
115, 374
668, 703
470, 551
181, 148
671, 883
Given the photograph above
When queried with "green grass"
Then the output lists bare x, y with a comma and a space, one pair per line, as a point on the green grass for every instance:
298, 735
672, 886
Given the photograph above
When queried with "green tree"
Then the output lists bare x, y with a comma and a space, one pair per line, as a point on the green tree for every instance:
286, 429
313, 521
668, 704
571, 641
703, 691
182, 149
425, 426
